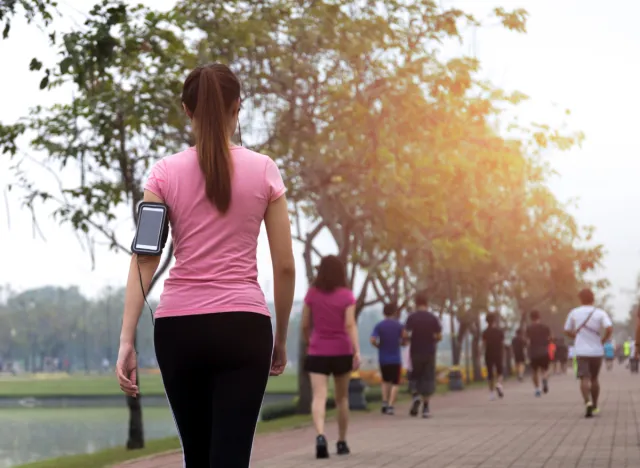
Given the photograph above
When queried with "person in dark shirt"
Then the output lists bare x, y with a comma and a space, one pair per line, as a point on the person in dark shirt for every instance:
538, 337
493, 342
518, 345
389, 336
424, 331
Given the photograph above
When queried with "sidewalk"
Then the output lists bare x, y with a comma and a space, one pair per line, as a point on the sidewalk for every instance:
467, 430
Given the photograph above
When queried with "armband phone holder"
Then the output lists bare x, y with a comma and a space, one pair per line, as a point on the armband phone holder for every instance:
152, 229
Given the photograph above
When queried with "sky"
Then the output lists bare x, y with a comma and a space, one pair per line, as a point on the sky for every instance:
576, 55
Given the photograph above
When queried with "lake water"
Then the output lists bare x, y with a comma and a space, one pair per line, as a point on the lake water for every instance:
28, 435
31, 434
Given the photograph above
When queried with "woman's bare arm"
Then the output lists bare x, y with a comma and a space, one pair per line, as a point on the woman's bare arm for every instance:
133, 298
278, 226
352, 328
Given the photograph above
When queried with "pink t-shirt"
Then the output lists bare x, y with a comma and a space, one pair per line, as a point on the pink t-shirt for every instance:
329, 335
216, 268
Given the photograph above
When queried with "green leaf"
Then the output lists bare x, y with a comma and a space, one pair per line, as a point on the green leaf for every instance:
35, 64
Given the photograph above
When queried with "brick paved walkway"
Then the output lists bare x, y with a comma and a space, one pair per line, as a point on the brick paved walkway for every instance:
467, 430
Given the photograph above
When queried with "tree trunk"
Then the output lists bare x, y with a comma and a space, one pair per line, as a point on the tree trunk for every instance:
136, 428
475, 357
304, 383
455, 348
135, 440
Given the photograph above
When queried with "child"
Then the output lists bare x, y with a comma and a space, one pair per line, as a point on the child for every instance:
389, 336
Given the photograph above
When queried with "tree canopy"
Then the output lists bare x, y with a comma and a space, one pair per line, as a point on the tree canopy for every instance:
413, 164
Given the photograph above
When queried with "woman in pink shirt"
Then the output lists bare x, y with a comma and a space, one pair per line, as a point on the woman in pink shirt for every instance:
213, 335
333, 347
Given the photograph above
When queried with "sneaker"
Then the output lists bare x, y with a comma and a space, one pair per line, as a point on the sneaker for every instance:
322, 450
538, 392
588, 410
390, 411
342, 448
500, 391
415, 407
492, 396
545, 386
384, 408
425, 411
595, 411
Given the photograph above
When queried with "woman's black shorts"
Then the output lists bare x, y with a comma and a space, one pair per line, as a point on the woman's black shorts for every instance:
329, 365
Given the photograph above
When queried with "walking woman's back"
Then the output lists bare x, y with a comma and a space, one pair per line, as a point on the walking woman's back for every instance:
213, 335
215, 269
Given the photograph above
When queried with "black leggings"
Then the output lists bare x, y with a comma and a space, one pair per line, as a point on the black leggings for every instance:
215, 369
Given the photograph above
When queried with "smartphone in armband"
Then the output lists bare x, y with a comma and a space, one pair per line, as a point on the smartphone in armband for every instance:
152, 229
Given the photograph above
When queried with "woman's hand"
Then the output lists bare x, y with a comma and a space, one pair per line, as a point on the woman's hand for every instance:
127, 369
356, 361
279, 358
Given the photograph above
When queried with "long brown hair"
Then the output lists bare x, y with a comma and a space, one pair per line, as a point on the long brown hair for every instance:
331, 274
209, 94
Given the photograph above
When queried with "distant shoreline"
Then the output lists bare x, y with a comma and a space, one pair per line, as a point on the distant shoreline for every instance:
102, 401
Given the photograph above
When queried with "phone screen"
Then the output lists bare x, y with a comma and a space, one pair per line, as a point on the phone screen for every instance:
149, 228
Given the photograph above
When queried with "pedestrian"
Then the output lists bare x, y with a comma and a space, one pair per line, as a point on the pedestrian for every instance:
389, 336
609, 355
213, 335
493, 343
585, 325
562, 355
333, 347
424, 331
538, 337
518, 345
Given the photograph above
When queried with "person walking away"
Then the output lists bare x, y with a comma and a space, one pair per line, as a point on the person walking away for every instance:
424, 331
562, 355
609, 355
213, 336
552, 354
626, 351
574, 360
517, 346
389, 337
493, 343
585, 324
538, 336
333, 347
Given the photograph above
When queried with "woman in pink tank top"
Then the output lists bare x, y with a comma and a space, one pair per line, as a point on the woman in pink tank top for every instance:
333, 347
213, 334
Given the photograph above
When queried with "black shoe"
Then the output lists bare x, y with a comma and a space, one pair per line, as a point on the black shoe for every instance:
322, 450
588, 410
383, 410
415, 407
545, 386
500, 391
425, 412
342, 448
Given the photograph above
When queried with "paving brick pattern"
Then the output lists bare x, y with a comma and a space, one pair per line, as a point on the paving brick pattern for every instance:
467, 430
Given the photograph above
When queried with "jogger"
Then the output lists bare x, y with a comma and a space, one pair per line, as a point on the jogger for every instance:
585, 325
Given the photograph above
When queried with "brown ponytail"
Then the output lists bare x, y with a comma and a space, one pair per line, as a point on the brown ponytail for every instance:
209, 94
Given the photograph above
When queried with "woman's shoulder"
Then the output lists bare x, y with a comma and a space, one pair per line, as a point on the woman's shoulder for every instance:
242, 153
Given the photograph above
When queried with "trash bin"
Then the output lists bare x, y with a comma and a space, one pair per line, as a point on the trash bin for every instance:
455, 379
357, 399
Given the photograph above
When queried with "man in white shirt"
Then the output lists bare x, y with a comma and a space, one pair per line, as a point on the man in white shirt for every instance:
585, 325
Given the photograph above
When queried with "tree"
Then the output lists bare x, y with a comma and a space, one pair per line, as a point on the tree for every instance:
33, 10
126, 66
